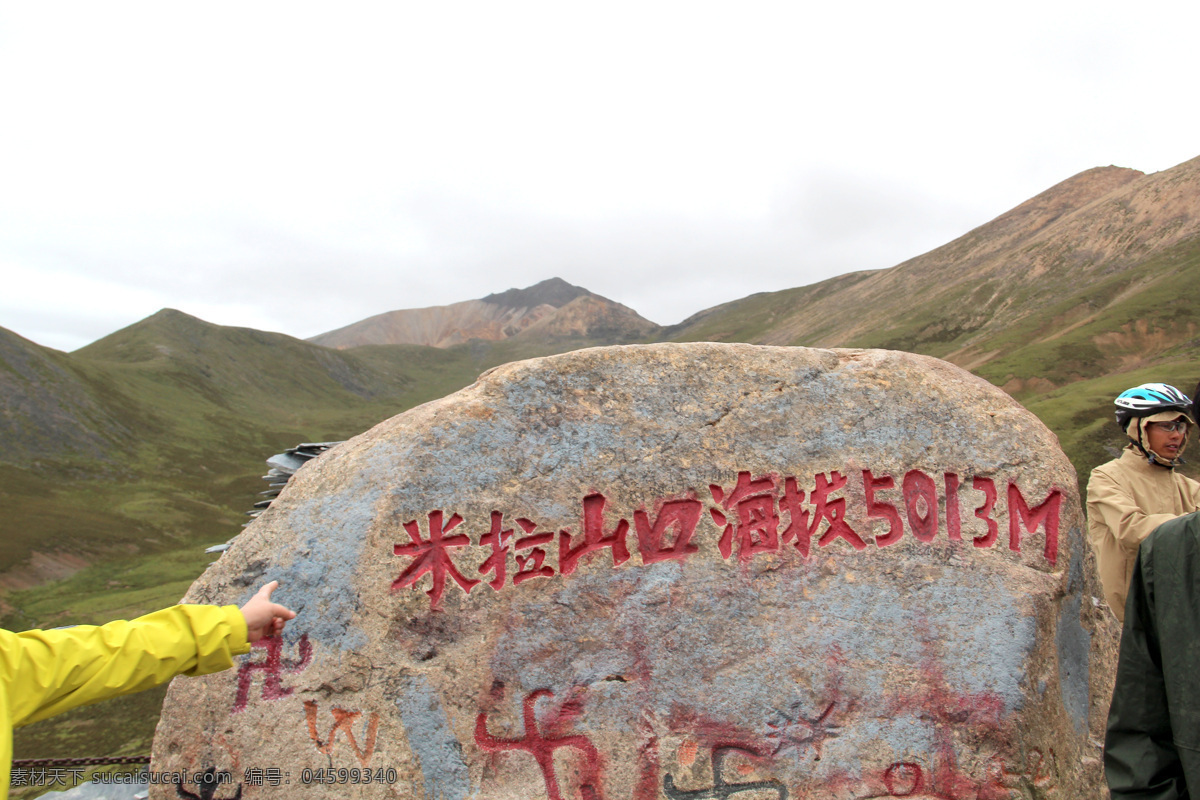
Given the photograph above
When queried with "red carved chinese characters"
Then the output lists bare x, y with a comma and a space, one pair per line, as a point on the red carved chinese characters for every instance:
683, 515
756, 529
530, 565
501, 542
758, 514
433, 556
497, 562
594, 537
833, 511
797, 533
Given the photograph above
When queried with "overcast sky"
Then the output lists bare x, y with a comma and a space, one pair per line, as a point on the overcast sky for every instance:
300, 166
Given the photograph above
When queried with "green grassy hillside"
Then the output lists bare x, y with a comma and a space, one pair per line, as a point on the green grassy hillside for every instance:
168, 424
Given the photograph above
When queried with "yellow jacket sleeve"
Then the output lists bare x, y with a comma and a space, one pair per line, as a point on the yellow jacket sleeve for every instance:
48, 672
43, 673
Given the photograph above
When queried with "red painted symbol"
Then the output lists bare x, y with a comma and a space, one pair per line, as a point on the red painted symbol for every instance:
1039, 772
272, 667
904, 779
432, 556
343, 721
542, 749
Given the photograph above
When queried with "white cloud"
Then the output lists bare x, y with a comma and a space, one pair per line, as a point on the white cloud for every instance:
245, 161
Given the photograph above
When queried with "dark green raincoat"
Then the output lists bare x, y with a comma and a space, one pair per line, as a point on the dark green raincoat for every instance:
1152, 749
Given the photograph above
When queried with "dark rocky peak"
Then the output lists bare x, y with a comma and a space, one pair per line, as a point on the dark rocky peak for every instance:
552, 292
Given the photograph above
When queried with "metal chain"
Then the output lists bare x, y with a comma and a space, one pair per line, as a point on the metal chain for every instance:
49, 763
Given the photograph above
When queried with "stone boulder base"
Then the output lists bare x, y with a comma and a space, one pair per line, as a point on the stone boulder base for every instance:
692, 571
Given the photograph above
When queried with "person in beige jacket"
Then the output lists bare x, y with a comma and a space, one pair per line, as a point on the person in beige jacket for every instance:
1129, 497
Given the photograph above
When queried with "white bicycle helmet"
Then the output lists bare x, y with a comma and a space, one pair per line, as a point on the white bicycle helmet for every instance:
1149, 399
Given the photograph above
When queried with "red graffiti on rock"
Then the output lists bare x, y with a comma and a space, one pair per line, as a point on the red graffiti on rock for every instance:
758, 515
911, 779
343, 722
542, 747
272, 667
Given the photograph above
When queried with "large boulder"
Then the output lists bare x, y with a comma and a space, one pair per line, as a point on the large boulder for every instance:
684, 571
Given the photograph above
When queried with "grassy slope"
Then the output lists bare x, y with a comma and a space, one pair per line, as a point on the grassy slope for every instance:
204, 406
1059, 341
755, 318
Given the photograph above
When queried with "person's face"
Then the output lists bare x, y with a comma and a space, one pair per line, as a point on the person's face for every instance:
1165, 442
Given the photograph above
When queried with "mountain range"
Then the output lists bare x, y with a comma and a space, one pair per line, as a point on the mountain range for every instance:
152, 438
552, 309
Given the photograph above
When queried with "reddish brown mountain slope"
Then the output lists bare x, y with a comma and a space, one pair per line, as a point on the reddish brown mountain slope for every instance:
550, 309
1002, 277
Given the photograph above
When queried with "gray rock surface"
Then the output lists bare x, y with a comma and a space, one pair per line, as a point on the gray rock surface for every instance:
685, 571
